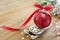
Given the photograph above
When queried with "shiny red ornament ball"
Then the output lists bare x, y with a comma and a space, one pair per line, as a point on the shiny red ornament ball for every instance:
42, 19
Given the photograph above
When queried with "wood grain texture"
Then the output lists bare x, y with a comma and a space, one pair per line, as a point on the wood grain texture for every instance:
13, 13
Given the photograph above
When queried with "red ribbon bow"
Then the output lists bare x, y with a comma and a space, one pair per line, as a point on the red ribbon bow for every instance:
48, 7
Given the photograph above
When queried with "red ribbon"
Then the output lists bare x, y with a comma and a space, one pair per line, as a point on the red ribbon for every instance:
27, 20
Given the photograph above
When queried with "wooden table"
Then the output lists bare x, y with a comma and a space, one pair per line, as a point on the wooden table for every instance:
13, 13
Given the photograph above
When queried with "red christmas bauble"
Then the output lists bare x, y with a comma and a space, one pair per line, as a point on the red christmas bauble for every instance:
42, 19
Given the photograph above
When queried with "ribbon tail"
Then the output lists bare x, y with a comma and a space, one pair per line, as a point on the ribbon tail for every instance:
9, 28
23, 25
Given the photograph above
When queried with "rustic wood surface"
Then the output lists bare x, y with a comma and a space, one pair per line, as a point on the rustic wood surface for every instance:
13, 13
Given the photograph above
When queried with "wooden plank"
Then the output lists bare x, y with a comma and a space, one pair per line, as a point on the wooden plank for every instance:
13, 13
